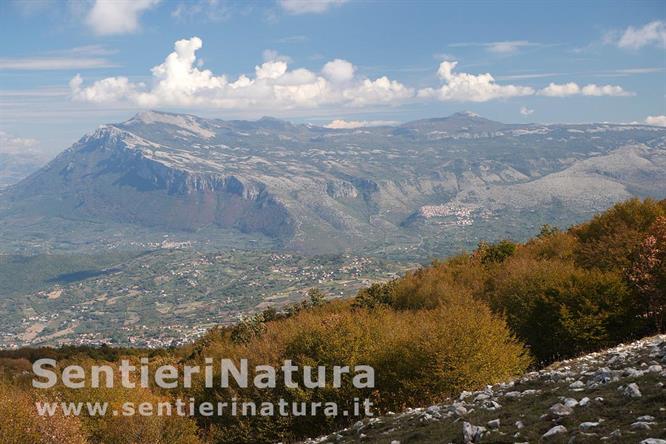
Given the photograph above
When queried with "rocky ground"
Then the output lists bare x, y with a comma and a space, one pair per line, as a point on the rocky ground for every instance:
614, 396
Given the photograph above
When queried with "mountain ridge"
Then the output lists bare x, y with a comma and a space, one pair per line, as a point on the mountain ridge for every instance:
319, 189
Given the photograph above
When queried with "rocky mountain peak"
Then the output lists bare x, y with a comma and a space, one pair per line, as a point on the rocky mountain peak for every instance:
184, 122
465, 121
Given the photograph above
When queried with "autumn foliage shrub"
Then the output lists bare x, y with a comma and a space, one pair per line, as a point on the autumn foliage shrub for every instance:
563, 292
20, 423
419, 356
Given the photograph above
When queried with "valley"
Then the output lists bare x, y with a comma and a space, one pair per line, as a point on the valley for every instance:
151, 231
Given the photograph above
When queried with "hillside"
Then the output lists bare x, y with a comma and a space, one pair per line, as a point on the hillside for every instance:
428, 187
162, 297
616, 395
465, 323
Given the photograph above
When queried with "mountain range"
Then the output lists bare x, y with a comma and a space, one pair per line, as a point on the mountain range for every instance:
434, 185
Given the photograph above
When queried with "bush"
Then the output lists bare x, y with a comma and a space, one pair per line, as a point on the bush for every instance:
20, 423
560, 310
419, 356
495, 253
611, 238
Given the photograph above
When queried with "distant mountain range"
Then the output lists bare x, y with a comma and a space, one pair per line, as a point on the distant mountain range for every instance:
432, 185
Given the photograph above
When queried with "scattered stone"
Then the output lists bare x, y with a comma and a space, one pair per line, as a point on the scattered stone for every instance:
491, 405
647, 418
632, 391
570, 402
494, 424
654, 369
614, 359
588, 425
577, 385
631, 372
602, 376
481, 397
425, 417
653, 441
472, 433
615, 434
555, 431
641, 425
520, 425
560, 410
583, 402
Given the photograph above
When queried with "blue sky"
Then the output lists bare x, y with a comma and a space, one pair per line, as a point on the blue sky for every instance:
68, 66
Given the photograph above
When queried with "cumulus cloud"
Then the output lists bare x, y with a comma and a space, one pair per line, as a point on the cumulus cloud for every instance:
181, 81
108, 17
525, 111
656, 120
465, 87
573, 89
309, 6
178, 81
654, 33
352, 124
338, 71
111, 89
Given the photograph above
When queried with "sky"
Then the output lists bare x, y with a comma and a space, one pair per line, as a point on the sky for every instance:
68, 66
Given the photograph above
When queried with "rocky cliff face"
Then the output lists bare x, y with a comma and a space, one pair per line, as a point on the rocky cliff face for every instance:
322, 189
113, 175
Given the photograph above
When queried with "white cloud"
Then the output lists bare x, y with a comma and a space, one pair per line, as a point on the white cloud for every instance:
654, 33
525, 111
80, 57
270, 55
507, 47
656, 120
338, 71
604, 90
501, 47
465, 87
352, 124
111, 89
573, 89
117, 16
53, 63
211, 10
179, 82
10, 144
309, 6
560, 90
535, 75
